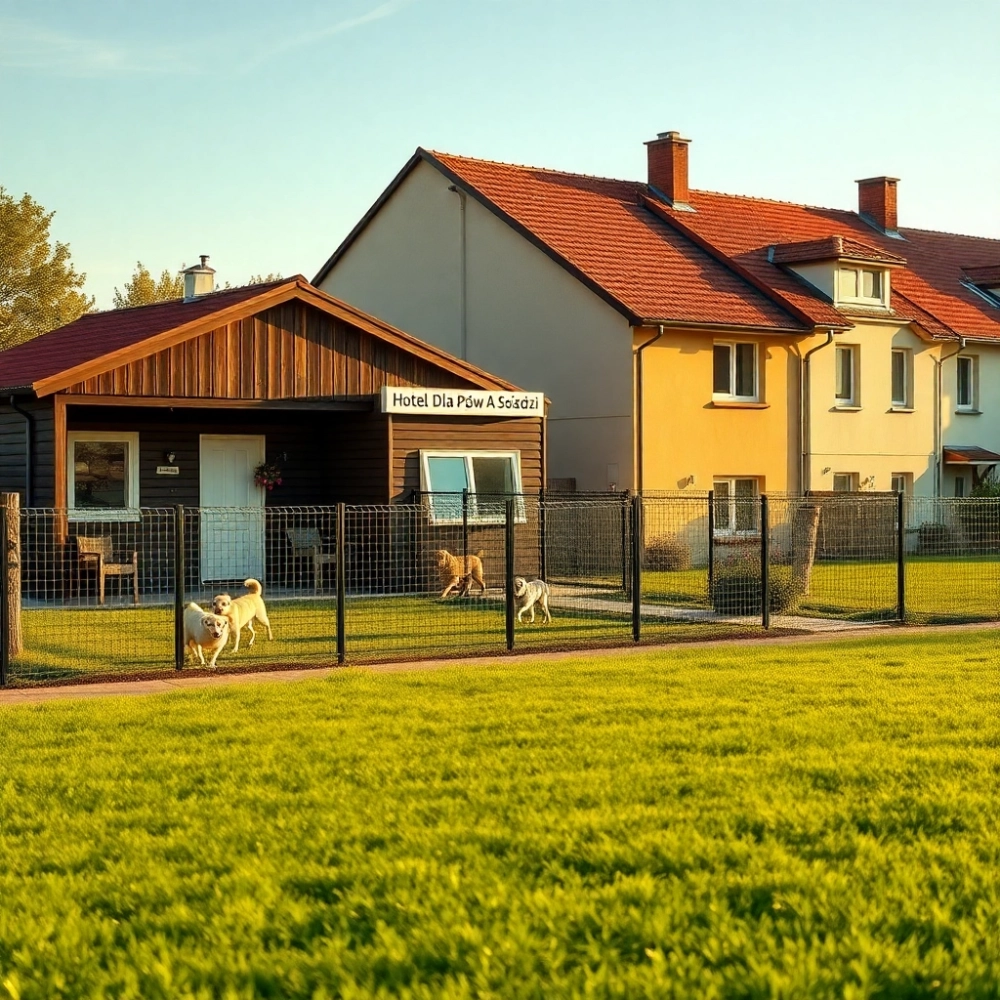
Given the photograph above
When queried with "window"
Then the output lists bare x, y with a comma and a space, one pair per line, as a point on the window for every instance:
902, 362
860, 284
736, 506
966, 390
902, 482
847, 375
960, 486
734, 372
845, 482
102, 478
489, 477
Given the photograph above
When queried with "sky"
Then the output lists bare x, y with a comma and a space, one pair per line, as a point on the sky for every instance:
259, 133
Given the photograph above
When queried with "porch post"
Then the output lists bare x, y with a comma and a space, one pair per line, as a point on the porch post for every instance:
179, 523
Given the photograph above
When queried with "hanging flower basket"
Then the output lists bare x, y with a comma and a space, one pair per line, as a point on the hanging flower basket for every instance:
268, 475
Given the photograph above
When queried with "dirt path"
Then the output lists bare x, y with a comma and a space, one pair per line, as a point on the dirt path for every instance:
104, 689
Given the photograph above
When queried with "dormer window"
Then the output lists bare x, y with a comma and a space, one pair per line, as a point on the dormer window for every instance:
861, 284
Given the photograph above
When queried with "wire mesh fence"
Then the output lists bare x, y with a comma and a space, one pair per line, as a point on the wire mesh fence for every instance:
456, 575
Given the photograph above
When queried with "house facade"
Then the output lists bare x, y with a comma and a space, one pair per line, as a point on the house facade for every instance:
693, 340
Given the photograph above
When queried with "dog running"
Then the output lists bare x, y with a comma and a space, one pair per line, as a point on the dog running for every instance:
241, 611
204, 632
528, 593
454, 570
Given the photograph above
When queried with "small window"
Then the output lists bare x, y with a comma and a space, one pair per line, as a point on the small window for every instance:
960, 486
902, 361
734, 372
902, 482
845, 482
736, 506
861, 284
966, 390
847, 375
102, 478
489, 477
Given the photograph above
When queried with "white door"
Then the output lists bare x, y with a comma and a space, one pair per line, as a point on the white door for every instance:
232, 507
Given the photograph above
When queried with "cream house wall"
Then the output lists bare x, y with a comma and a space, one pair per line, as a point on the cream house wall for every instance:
527, 319
873, 440
963, 428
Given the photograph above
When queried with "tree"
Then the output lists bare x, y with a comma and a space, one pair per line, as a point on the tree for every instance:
39, 288
143, 289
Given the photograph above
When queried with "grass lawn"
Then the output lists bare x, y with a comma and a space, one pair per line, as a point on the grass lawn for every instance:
803, 821
937, 588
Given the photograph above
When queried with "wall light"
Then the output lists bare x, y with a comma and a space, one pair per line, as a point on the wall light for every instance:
170, 456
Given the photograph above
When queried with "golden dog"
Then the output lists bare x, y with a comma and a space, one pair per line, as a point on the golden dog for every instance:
242, 610
454, 569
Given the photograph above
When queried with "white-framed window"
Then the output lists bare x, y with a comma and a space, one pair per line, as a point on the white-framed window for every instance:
736, 506
866, 285
960, 486
845, 482
102, 476
902, 377
967, 382
489, 477
846, 361
902, 482
734, 372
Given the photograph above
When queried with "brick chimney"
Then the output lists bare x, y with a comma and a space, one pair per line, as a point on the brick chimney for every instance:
877, 201
667, 164
198, 280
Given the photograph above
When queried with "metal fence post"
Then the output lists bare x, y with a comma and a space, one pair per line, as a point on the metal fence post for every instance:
543, 568
179, 529
711, 539
341, 583
636, 567
509, 570
4, 609
465, 526
901, 555
625, 546
765, 556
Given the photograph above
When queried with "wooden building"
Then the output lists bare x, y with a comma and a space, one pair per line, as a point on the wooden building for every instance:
181, 402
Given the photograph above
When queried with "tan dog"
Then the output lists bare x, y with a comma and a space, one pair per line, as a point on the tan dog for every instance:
453, 569
204, 632
241, 611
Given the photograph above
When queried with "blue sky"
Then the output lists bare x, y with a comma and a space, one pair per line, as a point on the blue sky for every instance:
259, 132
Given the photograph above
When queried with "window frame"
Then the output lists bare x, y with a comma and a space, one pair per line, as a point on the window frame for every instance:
733, 531
732, 396
882, 273
906, 402
853, 477
960, 484
131, 440
973, 363
906, 478
437, 516
854, 400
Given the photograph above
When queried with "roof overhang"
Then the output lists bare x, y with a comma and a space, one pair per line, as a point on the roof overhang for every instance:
970, 456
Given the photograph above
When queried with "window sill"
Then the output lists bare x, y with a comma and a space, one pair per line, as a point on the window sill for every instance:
738, 404
900, 409
844, 409
968, 413
120, 514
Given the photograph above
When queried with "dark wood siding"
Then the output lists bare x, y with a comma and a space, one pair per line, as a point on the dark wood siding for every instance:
292, 351
12, 451
411, 434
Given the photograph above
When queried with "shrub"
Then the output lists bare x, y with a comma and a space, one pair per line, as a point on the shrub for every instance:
736, 588
668, 552
935, 539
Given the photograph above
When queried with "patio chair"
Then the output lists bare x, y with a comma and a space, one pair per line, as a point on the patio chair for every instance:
307, 543
97, 554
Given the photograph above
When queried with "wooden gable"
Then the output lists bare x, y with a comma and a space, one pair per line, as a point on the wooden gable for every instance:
290, 351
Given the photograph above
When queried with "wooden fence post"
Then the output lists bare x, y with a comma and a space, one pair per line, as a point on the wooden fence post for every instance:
10, 544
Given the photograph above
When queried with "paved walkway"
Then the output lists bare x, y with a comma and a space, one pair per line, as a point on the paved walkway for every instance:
181, 682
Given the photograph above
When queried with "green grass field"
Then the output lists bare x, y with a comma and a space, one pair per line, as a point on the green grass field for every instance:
803, 821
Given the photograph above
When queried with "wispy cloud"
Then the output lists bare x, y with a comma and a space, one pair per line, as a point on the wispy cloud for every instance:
26, 44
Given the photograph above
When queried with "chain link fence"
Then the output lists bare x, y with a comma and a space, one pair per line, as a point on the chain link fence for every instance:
451, 575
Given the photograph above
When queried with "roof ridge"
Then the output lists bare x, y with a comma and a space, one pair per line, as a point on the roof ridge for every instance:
537, 169
180, 298
943, 232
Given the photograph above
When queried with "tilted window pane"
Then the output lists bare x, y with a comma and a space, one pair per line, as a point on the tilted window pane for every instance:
493, 477
746, 355
447, 475
871, 284
722, 517
99, 476
720, 369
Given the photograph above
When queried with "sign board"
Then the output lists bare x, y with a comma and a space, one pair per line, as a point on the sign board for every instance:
168, 470
463, 402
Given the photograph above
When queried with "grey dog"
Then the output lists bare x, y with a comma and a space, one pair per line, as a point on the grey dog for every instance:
528, 593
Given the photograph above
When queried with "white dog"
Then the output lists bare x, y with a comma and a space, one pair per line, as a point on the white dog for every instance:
243, 610
530, 593
204, 632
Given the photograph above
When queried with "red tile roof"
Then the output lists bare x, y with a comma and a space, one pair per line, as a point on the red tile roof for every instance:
987, 276
833, 248
711, 265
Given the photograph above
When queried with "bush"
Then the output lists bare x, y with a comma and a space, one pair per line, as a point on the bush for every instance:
736, 588
668, 552
935, 539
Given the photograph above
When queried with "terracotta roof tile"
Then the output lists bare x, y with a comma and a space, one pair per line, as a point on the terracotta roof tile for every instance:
833, 248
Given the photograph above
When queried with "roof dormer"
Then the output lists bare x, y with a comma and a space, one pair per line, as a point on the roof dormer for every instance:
851, 274
984, 279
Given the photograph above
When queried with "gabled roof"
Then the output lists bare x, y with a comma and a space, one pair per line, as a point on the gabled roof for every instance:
98, 342
715, 265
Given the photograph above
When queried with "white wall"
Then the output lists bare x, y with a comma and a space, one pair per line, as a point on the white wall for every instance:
528, 320
980, 429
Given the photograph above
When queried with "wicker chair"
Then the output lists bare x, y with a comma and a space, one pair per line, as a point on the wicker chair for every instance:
307, 543
97, 554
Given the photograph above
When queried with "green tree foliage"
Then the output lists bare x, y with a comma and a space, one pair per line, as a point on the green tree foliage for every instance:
39, 288
143, 289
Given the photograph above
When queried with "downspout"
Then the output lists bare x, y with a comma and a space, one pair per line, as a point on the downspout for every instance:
939, 416
805, 424
638, 478
462, 275
29, 452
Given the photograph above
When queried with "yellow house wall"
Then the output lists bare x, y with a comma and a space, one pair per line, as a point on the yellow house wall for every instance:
873, 441
685, 434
